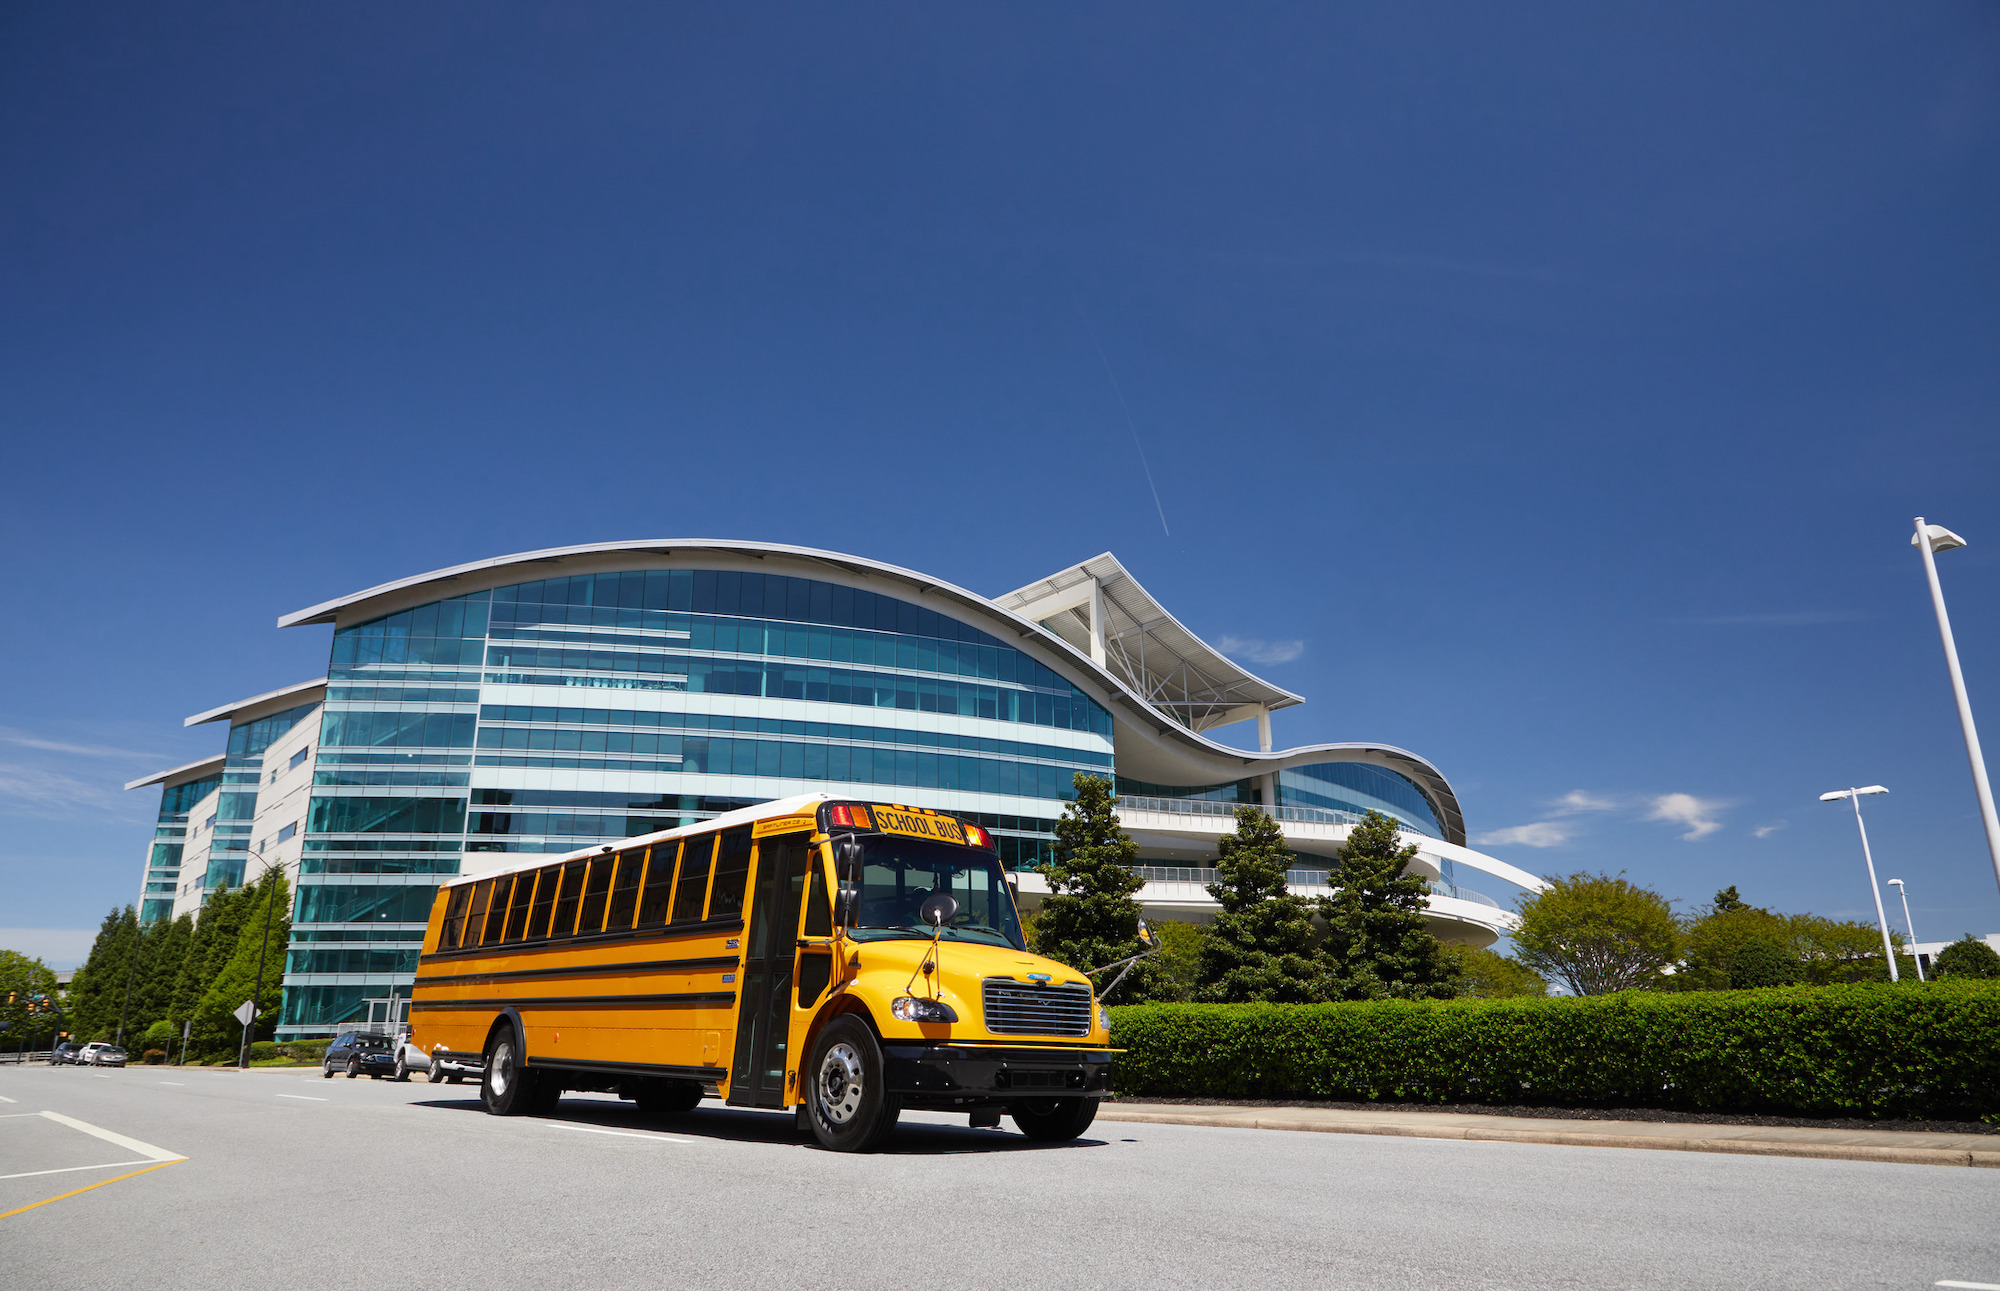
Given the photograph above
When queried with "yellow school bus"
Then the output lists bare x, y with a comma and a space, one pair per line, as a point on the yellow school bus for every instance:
845, 959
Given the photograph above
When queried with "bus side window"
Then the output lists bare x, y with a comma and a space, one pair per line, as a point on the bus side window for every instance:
625, 892
594, 893
696, 856
545, 901
656, 898
732, 867
564, 923
475, 913
818, 920
496, 910
517, 909
454, 917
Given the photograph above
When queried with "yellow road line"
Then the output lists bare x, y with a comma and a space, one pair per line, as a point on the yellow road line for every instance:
87, 1187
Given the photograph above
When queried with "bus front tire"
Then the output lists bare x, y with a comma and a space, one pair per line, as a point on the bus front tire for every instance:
849, 1104
507, 1086
1053, 1120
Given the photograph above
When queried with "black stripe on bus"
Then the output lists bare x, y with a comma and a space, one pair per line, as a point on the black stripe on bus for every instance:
582, 970
634, 1069
684, 999
588, 939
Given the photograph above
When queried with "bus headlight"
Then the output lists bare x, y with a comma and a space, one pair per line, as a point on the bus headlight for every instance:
1104, 1017
911, 1009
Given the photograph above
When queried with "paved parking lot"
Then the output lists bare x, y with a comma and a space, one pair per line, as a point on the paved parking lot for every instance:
290, 1177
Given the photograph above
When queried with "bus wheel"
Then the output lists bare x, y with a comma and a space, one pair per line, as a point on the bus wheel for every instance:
851, 1108
507, 1085
667, 1097
1053, 1120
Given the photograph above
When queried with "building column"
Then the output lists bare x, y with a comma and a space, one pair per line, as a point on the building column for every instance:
1097, 623
1264, 730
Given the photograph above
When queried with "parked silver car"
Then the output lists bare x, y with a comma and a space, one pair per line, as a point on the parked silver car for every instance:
101, 1053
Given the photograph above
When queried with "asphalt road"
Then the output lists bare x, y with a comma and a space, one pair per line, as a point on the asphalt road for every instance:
296, 1181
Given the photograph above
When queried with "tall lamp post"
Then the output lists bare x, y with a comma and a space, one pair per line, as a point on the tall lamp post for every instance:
257, 995
1909, 923
1874, 888
1931, 539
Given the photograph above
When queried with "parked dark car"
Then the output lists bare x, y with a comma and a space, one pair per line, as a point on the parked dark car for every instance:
65, 1054
358, 1052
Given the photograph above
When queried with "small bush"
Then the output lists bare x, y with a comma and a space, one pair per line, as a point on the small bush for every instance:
1868, 1050
153, 1057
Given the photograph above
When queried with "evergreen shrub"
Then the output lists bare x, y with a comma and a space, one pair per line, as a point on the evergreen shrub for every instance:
1863, 1050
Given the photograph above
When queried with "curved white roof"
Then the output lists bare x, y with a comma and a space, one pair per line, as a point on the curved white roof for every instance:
269, 700
189, 771
1152, 650
1160, 736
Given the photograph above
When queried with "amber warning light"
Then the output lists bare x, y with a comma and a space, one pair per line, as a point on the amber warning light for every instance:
977, 837
850, 817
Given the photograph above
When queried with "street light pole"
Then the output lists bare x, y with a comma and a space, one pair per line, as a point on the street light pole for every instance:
1909, 923
1874, 888
257, 995
1930, 539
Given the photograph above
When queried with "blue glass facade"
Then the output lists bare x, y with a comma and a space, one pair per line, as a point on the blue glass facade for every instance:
550, 715
163, 863
236, 805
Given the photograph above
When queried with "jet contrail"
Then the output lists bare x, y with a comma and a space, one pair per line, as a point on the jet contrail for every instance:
1126, 409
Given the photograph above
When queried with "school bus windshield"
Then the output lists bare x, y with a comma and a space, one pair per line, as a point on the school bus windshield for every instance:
899, 874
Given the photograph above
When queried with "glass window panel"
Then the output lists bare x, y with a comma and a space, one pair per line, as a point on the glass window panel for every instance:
545, 902
563, 922
452, 932
692, 889
654, 906
496, 910
732, 867
590, 917
625, 892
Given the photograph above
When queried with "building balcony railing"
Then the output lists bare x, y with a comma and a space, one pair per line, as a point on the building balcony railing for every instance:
1227, 810
1297, 879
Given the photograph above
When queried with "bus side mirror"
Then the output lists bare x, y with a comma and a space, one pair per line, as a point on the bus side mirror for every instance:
847, 874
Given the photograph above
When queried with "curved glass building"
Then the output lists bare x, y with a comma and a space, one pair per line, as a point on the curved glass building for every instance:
551, 700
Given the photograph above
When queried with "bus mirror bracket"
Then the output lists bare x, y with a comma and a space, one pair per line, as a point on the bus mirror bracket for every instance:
847, 874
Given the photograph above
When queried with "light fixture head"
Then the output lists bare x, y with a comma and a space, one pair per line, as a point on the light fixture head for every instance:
1941, 538
1895, 883
1838, 794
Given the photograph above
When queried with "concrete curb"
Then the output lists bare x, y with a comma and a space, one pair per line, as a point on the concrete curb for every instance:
1667, 1139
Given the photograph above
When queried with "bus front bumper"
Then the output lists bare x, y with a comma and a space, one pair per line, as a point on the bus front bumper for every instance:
949, 1076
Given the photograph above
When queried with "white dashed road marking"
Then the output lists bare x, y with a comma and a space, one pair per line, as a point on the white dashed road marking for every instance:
306, 1097
622, 1134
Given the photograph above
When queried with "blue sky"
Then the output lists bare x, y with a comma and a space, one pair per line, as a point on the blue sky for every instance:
1547, 389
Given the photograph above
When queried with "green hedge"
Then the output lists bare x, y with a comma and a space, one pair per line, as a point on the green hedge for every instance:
1869, 1050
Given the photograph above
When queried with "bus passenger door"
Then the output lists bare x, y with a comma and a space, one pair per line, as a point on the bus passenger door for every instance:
763, 1019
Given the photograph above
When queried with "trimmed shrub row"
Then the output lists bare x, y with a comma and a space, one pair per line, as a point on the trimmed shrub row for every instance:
1869, 1050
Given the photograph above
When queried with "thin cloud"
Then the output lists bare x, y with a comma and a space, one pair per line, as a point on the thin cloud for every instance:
50, 793
1542, 833
1578, 801
1258, 650
1698, 814
1765, 831
1773, 619
22, 739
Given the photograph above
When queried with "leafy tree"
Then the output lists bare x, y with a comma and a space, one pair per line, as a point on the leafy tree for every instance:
22, 978
97, 992
1727, 900
216, 1031
1836, 951
213, 943
1597, 934
1378, 943
1260, 946
1487, 975
1760, 961
1967, 957
1176, 973
167, 944
1090, 917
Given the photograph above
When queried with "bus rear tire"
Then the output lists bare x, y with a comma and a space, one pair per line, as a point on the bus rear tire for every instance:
849, 1104
507, 1086
1053, 1120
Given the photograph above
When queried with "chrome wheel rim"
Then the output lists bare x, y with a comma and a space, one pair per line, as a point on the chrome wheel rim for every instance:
501, 1070
840, 1083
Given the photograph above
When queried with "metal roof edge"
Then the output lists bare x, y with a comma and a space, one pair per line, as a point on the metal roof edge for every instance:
228, 710
160, 776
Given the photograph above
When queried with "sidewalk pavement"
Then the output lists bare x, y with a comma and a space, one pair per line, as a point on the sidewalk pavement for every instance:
1903, 1146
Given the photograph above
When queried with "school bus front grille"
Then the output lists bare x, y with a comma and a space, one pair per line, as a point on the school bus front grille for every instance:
1015, 1008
